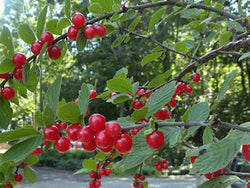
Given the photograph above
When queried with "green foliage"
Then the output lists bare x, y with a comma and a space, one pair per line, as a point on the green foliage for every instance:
41, 22
6, 113
69, 112
89, 164
181, 47
155, 18
26, 34
222, 181
6, 40
150, 57
29, 174
118, 41
6, 65
122, 97
83, 98
96, 8
139, 114
120, 85
32, 160
81, 41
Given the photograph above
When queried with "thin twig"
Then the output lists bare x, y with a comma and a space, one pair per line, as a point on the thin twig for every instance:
235, 173
229, 125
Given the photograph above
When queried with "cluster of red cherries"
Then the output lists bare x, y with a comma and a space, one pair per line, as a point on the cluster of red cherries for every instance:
18, 178
138, 181
159, 165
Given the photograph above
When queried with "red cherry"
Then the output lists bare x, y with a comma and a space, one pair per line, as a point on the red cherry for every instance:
89, 146
112, 95
193, 158
157, 164
147, 95
108, 171
8, 185
89, 31
246, 152
172, 103
196, 77
103, 140
248, 185
137, 104
85, 134
45, 142
188, 89
113, 129
54, 52
102, 172
92, 94
57, 125
18, 178
92, 183
135, 184
155, 140
164, 161
78, 19
100, 30
87, 112
140, 91
62, 144
142, 177
123, 143
136, 176
4, 75
92, 174
77, 100
37, 151
72, 32
8, 93
36, 47
165, 166
159, 168
51, 133
63, 125
97, 184
72, 131
140, 185
106, 150
47, 37
97, 122
180, 87
19, 59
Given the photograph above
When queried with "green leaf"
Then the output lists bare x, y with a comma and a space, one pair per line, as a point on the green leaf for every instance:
185, 115
6, 65
122, 70
69, 112
81, 40
207, 135
181, 47
26, 73
196, 25
118, 41
49, 116
51, 26
81, 171
83, 98
159, 98
125, 121
63, 23
105, 95
130, 13
6, 40
122, 97
101, 156
155, 18
135, 87
89, 164
64, 49
33, 80
17, 134
32, 160
5, 113
39, 118
107, 5
244, 56
150, 57
41, 22
160, 79
43, 50
48, 146
122, 85
220, 182
139, 114
67, 8
224, 39
134, 23
52, 95
26, 33
171, 135
29, 174
96, 8
23, 148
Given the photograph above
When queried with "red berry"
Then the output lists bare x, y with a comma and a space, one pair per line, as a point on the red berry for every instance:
159, 168
102, 172
140, 185
123, 143
97, 122
106, 150
62, 144
91, 183
45, 142
188, 89
157, 164
165, 166
54, 52
18, 178
92, 94
180, 87
97, 165
108, 171
8, 93
140, 91
37, 151
100, 30
51, 133
135, 184
113, 129
63, 125
85, 134
136, 176
36, 47
4, 75
103, 140
172, 102
142, 177
78, 19
8, 185
89, 146
162, 114
246, 152
87, 112
92, 174
155, 140
97, 184
57, 125
72, 131
112, 95
72, 32
196, 77
248, 185
77, 100
19, 59
193, 158
137, 104
47, 37
89, 31
164, 161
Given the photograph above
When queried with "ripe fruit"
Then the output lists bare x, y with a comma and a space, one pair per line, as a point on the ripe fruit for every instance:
140, 185
188, 89
85, 134
91, 183
193, 158
78, 19
137, 104
18, 178
113, 129
8, 93
51, 133
102, 172
123, 143
112, 95
97, 184
106, 150
62, 144
47, 37
36, 47
72, 32
100, 30
19, 59
54, 52
142, 177
90, 146
136, 176
135, 184
92, 94
155, 140
196, 77
72, 131
4, 75
246, 152
18, 73
103, 140
37, 151
97, 122
63, 125
8, 185
162, 114
89, 31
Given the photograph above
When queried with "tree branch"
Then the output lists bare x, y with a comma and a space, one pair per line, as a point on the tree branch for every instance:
229, 125
235, 173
